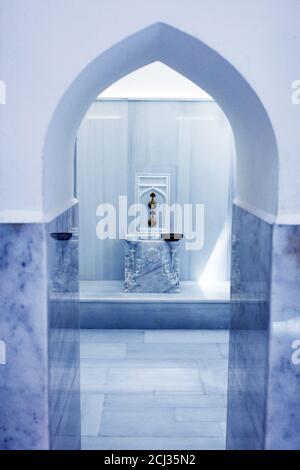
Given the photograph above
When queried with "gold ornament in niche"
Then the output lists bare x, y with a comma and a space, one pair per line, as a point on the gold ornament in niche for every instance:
152, 204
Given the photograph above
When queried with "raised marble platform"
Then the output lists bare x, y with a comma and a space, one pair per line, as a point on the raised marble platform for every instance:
152, 265
104, 304
190, 291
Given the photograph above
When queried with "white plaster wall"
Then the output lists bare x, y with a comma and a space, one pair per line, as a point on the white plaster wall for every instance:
45, 44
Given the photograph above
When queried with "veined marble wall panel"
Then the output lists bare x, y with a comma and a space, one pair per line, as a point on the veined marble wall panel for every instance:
264, 347
283, 409
39, 325
24, 329
249, 331
63, 313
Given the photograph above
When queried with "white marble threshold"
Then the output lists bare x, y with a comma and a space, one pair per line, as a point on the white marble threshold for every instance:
113, 291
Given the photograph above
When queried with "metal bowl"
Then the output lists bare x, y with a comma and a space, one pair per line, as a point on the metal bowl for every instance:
62, 236
172, 237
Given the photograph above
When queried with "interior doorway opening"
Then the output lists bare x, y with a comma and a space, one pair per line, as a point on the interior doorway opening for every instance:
172, 371
257, 155
154, 123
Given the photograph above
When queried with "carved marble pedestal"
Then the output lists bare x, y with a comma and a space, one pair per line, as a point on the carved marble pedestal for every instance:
152, 266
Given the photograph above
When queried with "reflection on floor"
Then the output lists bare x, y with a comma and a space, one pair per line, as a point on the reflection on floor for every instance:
154, 389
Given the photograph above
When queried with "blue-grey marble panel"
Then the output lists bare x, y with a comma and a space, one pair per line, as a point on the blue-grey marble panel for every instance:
249, 331
24, 329
149, 315
283, 407
63, 312
39, 325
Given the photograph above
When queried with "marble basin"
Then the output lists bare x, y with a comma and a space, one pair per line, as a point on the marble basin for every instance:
151, 265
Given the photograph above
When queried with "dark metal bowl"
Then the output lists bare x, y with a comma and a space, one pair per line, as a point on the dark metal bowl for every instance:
172, 237
61, 236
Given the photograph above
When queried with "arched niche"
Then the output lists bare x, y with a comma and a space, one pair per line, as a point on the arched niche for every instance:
256, 148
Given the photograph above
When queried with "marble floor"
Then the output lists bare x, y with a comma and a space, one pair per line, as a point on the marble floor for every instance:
154, 389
